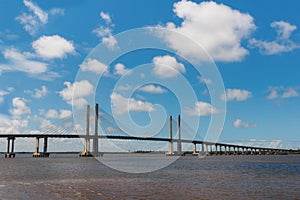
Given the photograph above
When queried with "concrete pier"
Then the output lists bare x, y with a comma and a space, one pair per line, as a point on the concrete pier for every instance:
171, 148
86, 152
195, 150
10, 151
37, 152
179, 147
96, 140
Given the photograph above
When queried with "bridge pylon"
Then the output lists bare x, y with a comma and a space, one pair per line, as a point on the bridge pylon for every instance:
86, 152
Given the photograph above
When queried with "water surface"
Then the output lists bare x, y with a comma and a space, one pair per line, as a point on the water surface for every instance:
214, 177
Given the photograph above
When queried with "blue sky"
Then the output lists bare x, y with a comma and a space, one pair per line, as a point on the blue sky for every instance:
255, 46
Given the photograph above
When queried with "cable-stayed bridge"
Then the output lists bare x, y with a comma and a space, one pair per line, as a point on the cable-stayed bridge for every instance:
110, 131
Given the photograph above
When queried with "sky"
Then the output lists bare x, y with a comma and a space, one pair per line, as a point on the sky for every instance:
249, 50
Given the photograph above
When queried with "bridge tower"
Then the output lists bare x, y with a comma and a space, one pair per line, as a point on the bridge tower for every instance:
171, 149
179, 147
86, 152
96, 140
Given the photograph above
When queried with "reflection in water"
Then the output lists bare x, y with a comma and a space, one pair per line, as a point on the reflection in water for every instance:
214, 177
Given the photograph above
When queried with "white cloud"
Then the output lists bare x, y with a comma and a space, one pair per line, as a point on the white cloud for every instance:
105, 33
19, 107
201, 109
43, 16
167, 66
4, 93
290, 92
93, 65
65, 113
217, 27
124, 87
105, 17
75, 93
33, 21
152, 89
282, 92
57, 11
237, 95
19, 62
273, 94
110, 42
238, 123
55, 46
38, 93
120, 69
52, 113
102, 31
121, 105
281, 44
204, 80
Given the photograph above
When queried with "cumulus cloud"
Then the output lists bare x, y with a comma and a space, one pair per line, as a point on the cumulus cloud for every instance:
167, 66
20, 62
236, 95
93, 65
204, 80
152, 89
120, 69
105, 33
217, 27
36, 17
64, 113
19, 107
4, 93
201, 109
110, 42
281, 44
282, 92
74, 94
23, 62
121, 104
124, 87
55, 46
238, 123
38, 93
33, 20
18, 119
105, 17
52, 113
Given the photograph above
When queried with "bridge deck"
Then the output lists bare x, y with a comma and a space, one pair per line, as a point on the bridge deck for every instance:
129, 138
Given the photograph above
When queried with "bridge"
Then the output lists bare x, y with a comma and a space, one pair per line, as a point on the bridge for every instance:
207, 148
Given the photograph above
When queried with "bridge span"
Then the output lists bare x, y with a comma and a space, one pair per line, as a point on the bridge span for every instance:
207, 148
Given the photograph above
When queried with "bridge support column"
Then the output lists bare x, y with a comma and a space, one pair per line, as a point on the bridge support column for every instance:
86, 152
179, 147
96, 139
37, 148
195, 150
10, 151
45, 153
202, 149
171, 148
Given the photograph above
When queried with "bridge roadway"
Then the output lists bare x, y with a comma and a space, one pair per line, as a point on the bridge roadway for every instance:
12, 136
